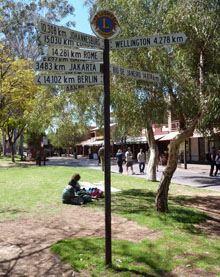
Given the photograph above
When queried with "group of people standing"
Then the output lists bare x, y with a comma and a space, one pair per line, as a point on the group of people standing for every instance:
214, 160
128, 157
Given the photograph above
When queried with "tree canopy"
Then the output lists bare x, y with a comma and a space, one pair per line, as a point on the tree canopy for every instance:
19, 20
189, 72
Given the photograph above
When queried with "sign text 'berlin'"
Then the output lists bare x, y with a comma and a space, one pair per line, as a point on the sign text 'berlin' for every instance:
75, 79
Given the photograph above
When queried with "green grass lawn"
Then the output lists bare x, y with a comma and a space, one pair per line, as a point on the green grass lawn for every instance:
7, 159
28, 191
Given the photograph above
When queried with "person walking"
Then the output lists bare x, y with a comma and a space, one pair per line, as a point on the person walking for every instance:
128, 160
141, 161
217, 160
38, 158
101, 154
211, 160
119, 157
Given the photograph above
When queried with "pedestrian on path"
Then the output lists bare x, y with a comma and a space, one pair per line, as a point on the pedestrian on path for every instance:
141, 161
217, 160
128, 160
101, 154
211, 159
38, 158
119, 157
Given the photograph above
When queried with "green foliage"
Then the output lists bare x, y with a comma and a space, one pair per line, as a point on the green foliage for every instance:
19, 19
189, 72
18, 94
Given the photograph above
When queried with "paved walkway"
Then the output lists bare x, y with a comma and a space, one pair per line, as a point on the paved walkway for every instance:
195, 175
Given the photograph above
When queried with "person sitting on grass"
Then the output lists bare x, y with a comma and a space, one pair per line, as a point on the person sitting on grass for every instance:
70, 192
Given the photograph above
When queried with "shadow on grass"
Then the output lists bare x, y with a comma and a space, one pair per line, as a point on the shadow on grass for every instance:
11, 212
138, 203
128, 257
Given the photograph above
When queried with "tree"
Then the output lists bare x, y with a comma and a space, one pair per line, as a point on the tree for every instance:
17, 95
189, 72
20, 18
67, 132
140, 109
194, 75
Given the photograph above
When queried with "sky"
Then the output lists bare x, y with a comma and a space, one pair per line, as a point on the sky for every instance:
81, 17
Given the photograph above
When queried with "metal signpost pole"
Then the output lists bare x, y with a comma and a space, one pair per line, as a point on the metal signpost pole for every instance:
105, 25
108, 242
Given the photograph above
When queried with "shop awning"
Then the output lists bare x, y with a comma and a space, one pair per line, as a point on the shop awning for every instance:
169, 136
197, 134
157, 137
91, 143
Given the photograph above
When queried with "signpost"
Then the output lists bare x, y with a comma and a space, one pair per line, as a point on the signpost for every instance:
63, 58
150, 41
67, 66
70, 88
69, 34
135, 74
106, 25
77, 54
69, 79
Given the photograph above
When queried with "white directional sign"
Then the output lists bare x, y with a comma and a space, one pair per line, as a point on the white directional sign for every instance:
58, 41
158, 40
70, 88
135, 74
56, 59
68, 34
69, 79
67, 66
77, 54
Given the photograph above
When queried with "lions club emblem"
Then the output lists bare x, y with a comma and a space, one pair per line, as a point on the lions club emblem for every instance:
105, 24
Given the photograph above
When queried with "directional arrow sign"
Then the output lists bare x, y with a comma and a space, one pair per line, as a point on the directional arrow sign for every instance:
67, 67
66, 33
148, 41
77, 54
69, 79
135, 74
70, 88
58, 41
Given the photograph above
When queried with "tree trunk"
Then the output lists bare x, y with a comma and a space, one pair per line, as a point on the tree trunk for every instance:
12, 150
162, 193
14, 139
21, 145
153, 160
4, 145
161, 200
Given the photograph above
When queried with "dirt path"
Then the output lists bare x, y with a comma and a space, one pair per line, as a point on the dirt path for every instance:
25, 243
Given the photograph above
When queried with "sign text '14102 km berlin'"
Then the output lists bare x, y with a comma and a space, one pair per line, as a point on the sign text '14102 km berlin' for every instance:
76, 79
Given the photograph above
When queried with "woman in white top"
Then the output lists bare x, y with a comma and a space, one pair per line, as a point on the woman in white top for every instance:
217, 161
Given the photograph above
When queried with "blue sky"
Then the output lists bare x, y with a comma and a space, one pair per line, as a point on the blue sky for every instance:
81, 17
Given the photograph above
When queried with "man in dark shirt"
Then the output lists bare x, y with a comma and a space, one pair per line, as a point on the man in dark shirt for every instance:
119, 157
212, 160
